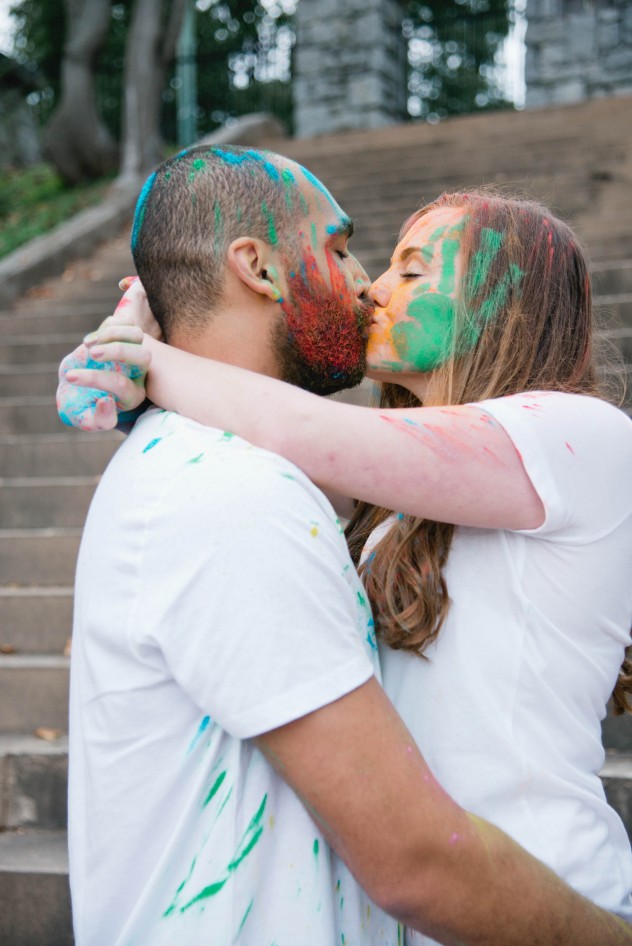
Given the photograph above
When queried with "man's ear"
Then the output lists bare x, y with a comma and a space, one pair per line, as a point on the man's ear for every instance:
250, 259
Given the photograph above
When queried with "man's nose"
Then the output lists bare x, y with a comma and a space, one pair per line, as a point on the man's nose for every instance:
361, 280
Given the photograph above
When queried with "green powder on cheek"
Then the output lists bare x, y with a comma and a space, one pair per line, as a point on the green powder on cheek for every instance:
426, 342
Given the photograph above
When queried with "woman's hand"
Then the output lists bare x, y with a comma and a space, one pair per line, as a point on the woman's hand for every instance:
105, 376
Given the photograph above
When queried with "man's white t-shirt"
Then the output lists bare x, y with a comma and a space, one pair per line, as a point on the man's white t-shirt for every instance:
507, 708
215, 600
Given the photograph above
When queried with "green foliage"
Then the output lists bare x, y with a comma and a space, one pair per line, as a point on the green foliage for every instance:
242, 46
243, 62
451, 52
244, 52
34, 200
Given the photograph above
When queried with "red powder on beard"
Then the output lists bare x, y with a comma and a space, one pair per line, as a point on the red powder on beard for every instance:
327, 323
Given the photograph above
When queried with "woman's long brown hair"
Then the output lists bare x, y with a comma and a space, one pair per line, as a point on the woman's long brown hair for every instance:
523, 322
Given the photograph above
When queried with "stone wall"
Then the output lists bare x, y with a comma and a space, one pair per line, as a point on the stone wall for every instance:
577, 50
350, 65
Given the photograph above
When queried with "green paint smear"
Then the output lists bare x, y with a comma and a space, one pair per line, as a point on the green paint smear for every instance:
272, 234
426, 342
316, 846
314, 236
197, 459
245, 917
289, 182
480, 265
218, 226
447, 282
214, 788
250, 838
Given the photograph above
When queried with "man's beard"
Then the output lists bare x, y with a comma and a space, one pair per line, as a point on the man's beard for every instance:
320, 340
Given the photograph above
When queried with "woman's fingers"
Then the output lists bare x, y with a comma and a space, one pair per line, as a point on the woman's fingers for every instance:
113, 331
126, 393
134, 307
135, 357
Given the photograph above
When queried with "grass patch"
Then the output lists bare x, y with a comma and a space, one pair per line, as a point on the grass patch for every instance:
35, 200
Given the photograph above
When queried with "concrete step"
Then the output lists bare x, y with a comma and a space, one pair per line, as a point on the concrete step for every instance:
621, 338
33, 692
39, 557
612, 277
76, 318
29, 415
616, 308
36, 349
35, 620
69, 453
45, 502
34, 893
34, 779
22, 380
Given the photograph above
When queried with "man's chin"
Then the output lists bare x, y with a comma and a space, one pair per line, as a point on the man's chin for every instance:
324, 381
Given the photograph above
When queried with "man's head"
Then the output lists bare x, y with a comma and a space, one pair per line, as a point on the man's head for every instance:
236, 240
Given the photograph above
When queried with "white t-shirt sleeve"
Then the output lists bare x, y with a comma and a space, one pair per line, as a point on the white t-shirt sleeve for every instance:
245, 595
577, 451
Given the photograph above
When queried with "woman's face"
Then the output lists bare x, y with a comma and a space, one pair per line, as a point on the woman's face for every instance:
415, 298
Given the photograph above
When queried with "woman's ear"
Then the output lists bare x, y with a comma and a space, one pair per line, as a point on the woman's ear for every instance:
250, 260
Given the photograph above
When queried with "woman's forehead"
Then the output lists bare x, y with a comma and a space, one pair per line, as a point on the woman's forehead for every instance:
434, 225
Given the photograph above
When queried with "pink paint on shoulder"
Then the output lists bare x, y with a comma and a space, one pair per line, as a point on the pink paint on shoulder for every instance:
568, 447
454, 837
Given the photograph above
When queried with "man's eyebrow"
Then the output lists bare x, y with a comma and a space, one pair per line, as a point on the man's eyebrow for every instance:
344, 228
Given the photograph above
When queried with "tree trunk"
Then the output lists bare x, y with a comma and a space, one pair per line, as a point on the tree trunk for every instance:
148, 52
76, 139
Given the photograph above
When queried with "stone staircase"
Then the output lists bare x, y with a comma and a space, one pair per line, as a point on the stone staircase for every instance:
577, 159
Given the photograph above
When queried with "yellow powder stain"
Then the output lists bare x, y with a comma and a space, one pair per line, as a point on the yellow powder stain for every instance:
314, 530
271, 821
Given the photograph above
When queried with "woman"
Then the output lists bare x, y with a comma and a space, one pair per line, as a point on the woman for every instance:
494, 524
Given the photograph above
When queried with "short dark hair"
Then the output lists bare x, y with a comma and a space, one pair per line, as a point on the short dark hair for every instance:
190, 210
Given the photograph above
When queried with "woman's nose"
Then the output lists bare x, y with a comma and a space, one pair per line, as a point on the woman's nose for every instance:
380, 292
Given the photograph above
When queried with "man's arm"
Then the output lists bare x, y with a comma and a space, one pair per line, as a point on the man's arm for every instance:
417, 854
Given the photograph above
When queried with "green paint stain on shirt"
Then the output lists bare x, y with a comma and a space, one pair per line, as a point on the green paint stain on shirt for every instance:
197, 459
152, 444
214, 788
316, 847
245, 917
248, 841
227, 435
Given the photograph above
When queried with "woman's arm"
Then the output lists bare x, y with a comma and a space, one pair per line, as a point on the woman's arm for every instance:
451, 464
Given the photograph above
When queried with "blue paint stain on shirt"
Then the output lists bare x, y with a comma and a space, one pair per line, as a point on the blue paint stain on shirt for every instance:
152, 444
206, 722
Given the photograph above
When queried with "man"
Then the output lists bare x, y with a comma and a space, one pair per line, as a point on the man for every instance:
224, 662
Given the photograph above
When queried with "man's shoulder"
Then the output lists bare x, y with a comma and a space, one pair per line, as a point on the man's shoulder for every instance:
218, 465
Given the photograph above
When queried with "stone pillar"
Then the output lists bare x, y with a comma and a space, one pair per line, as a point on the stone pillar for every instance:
577, 50
349, 65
